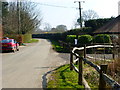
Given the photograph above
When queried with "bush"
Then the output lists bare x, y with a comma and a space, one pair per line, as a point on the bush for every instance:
71, 39
26, 38
85, 39
102, 38
84, 30
20, 38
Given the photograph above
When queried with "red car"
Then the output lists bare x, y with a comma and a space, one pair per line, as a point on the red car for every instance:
9, 45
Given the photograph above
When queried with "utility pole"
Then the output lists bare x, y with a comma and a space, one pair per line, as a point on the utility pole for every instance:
79, 14
18, 12
80, 11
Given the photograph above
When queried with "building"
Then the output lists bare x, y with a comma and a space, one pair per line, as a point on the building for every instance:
112, 27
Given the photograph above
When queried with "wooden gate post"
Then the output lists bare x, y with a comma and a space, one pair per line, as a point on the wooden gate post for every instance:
80, 75
102, 83
85, 51
71, 60
113, 52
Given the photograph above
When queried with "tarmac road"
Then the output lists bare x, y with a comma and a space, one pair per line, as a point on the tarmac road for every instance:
25, 68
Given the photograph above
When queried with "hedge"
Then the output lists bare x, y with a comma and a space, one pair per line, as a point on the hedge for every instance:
102, 38
20, 38
71, 39
84, 39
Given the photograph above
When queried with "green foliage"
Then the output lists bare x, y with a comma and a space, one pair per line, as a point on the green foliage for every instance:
85, 39
62, 77
33, 41
97, 23
71, 39
59, 47
26, 38
56, 45
20, 38
78, 31
102, 38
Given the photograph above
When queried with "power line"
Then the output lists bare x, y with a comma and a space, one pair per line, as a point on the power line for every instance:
56, 6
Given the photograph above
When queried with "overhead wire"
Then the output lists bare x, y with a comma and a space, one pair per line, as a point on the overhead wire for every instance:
56, 6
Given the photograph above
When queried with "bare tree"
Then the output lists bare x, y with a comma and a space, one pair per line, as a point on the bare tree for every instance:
61, 28
22, 18
47, 27
89, 14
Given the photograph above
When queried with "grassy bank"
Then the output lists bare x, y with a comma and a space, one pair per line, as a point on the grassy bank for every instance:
62, 77
33, 41
57, 46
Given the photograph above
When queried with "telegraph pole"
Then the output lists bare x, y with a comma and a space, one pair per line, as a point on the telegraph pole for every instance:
80, 11
18, 12
79, 14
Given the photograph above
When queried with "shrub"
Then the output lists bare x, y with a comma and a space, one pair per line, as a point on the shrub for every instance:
71, 39
79, 30
102, 38
85, 39
20, 38
26, 38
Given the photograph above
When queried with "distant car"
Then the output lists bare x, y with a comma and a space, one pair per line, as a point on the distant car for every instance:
9, 45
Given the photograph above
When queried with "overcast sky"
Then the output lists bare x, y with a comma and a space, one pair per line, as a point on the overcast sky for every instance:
57, 12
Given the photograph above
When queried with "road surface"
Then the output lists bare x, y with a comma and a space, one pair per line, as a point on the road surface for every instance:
26, 68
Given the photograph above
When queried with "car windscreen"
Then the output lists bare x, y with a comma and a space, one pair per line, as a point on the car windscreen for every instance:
6, 41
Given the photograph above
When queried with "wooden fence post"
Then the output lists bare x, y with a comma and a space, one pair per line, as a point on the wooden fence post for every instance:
71, 60
85, 51
102, 83
113, 51
80, 75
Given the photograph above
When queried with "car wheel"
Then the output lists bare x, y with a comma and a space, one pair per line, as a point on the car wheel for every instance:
14, 49
17, 48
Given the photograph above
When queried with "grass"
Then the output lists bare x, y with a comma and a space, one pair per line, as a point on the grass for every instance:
62, 77
91, 76
58, 47
114, 70
33, 41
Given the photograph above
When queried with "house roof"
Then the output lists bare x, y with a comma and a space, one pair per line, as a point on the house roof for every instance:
112, 27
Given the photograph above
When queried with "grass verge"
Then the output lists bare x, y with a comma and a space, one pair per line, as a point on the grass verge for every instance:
58, 47
33, 41
62, 77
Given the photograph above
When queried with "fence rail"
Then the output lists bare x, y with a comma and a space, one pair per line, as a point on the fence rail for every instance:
100, 69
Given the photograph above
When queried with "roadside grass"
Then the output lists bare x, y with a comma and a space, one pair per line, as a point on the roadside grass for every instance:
62, 77
58, 47
33, 41
58, 78
91, 76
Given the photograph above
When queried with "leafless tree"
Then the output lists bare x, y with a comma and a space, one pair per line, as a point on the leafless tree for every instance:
47, 27
22, 18
89, 14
